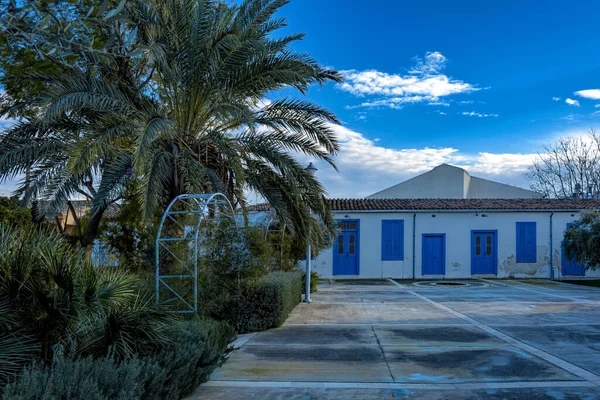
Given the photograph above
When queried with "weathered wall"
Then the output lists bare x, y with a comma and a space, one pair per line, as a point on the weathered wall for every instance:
457, 227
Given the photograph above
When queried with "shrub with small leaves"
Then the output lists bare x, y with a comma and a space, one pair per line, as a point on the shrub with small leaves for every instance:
264, 304
198, 348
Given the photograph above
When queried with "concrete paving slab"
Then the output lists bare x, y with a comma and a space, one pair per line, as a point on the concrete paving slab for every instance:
507, 313
434, 336
508, 340
371, 296
316, 335
579, 345
470, 364
366, 313
554, 393
308, 363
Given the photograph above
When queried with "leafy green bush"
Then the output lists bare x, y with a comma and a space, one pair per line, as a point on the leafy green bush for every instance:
56, 298
265, 303
174, 372
314, 281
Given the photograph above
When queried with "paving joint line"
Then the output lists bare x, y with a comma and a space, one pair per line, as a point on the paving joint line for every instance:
399, 385
387, 364
552, 359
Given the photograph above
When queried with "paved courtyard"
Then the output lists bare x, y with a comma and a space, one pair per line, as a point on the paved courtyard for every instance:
389, 340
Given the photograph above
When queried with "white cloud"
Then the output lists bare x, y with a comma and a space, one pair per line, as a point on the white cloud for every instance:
593, 94
597, 106
424, 83
556, 98
431, 64
466, 102
572, 102
439, 103
476, 114
367, 166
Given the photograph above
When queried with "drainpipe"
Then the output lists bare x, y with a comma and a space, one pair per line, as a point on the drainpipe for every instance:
414, 257
551, 255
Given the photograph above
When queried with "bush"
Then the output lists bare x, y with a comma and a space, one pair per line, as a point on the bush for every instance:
264, 304
174, 372
199, 348
314, 281
82, 379
61, 302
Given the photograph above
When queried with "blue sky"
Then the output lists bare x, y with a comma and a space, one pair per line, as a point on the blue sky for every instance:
479, 84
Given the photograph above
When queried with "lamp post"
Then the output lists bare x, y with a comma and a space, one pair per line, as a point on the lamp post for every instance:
311, 169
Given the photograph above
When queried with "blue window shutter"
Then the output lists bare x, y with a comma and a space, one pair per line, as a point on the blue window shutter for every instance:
387, 243
399, 240
526, 242
530, 242
392, 239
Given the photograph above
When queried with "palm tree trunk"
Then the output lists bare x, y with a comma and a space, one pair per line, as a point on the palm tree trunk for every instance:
91, 231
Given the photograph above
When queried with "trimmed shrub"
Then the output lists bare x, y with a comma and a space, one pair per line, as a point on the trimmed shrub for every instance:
266, 303
314, 281
177, 371
198, 348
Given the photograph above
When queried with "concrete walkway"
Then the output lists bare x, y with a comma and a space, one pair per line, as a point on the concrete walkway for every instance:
388, 340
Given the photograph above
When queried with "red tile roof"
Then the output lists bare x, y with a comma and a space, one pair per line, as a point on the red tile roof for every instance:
453, 204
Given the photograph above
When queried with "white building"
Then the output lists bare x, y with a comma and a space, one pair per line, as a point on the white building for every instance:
449, 182
451, 238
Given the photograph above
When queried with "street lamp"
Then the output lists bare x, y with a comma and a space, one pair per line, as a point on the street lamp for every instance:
311, 169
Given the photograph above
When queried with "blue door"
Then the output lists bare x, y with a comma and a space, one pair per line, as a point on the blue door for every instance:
484, 255
345, 251
434, 258
570, 267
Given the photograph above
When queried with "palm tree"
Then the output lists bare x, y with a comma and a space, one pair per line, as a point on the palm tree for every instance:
214, 68
195, 115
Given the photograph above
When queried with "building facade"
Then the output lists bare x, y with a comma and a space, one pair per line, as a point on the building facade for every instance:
452, 238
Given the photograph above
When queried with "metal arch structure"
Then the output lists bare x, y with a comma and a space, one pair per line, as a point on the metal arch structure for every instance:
275, 226
186, 228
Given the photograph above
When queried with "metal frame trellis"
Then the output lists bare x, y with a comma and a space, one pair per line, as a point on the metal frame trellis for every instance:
280, 229
182, 222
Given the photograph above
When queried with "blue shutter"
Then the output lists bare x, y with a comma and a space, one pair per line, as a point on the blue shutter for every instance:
387, 243
399, 240
392, 239
526, 242
530, 242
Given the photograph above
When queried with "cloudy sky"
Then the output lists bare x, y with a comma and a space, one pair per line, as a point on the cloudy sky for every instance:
483, 85
478, 84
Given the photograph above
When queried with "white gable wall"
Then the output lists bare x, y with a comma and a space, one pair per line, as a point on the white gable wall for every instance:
457, 227
449, 182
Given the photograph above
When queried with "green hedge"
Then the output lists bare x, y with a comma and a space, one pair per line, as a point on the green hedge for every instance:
314, 281
174, 372
265, 303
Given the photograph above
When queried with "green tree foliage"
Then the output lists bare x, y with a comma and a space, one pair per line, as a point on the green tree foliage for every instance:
12, 213
174, 96
582, 240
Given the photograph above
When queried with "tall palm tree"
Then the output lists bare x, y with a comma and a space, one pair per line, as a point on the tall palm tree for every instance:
214, 68
199, 117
